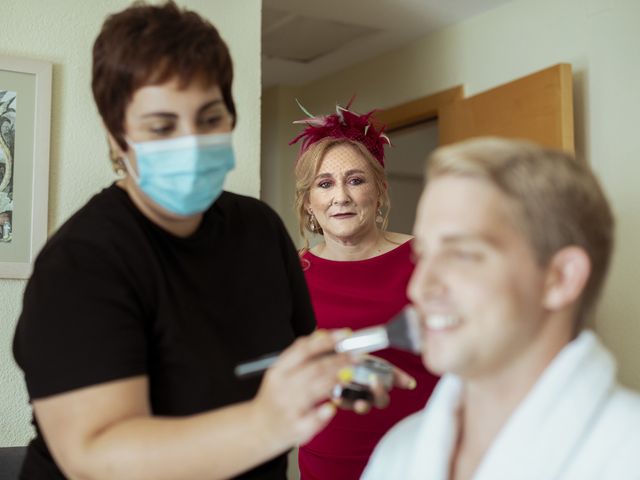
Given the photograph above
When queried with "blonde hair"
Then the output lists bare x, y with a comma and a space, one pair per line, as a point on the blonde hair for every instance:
557, 199
307, 168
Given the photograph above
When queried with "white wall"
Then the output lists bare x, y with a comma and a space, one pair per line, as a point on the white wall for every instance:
63, 32
599, 38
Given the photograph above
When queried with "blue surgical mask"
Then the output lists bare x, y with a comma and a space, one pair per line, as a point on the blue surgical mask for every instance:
184, 175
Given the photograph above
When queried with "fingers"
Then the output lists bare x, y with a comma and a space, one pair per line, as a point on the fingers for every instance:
318, 377
383, 376
303, 375
361, 407
305, 348
315, 421
359, 398
402, 379
380, 394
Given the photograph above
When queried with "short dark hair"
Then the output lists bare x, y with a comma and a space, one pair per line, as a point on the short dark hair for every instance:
149, 45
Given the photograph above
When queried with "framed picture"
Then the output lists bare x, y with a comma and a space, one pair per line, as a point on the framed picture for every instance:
25, 114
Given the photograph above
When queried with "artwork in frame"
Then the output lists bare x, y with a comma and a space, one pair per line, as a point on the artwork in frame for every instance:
25, 115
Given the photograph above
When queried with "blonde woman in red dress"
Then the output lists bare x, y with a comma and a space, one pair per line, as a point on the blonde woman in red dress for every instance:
357, 274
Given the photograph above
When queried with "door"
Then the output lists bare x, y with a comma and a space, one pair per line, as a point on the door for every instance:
537, 107
404, 164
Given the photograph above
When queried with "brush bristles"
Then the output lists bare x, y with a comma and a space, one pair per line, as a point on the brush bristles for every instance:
403, 330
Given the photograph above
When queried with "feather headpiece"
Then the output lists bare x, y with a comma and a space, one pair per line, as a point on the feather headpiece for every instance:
344, 123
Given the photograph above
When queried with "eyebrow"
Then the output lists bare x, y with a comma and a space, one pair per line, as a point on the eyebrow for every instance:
470, 238
456, 239
203, 108
347, 173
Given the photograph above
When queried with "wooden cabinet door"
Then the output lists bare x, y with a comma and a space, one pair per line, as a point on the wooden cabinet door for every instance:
537, 107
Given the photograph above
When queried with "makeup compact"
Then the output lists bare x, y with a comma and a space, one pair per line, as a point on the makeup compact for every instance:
365, 373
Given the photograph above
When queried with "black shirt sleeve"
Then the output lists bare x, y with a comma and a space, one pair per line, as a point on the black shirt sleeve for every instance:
80, 324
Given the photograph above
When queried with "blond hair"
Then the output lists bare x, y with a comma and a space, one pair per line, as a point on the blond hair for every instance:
557, 199
307, 167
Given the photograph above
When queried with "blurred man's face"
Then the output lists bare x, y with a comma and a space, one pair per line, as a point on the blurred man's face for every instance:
476, 284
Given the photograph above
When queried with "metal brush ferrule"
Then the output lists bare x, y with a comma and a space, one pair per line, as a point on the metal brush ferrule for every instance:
365, 340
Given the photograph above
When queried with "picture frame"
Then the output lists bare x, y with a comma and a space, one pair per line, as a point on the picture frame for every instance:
25, 127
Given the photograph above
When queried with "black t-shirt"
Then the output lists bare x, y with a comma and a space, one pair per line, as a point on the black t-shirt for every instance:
113, 296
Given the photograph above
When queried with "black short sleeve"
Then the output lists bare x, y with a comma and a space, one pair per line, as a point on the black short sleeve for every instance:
80, 324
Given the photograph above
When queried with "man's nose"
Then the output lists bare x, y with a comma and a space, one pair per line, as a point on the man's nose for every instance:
426, 282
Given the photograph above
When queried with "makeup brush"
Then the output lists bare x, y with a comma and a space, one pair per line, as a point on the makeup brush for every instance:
402, 331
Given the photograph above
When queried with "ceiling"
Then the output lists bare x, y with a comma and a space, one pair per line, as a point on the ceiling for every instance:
303, 40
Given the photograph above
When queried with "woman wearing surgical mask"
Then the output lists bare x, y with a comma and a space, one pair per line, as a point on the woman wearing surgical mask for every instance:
142, 303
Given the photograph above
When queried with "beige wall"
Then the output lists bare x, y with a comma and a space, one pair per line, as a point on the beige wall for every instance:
276, 169
62, 32
598, 37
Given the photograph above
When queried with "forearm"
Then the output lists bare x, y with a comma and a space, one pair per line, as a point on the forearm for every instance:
213, 445
107, 431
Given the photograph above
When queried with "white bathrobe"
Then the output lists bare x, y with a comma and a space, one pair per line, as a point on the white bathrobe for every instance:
577, 423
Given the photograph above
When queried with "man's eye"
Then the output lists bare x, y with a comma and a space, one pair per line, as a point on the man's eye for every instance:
466, 255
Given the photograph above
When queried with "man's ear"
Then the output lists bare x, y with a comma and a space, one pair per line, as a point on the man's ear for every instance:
567, 275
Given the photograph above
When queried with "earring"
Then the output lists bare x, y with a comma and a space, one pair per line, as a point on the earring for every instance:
312, 222
116, 162
379, 217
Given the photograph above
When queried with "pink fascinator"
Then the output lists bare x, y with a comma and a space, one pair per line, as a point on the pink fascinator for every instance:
344, 123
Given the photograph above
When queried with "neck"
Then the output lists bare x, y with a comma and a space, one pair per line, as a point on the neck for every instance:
178, 226
361, 247
486, 407
489, 400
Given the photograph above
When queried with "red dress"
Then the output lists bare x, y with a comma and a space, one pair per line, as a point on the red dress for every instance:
359, 294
